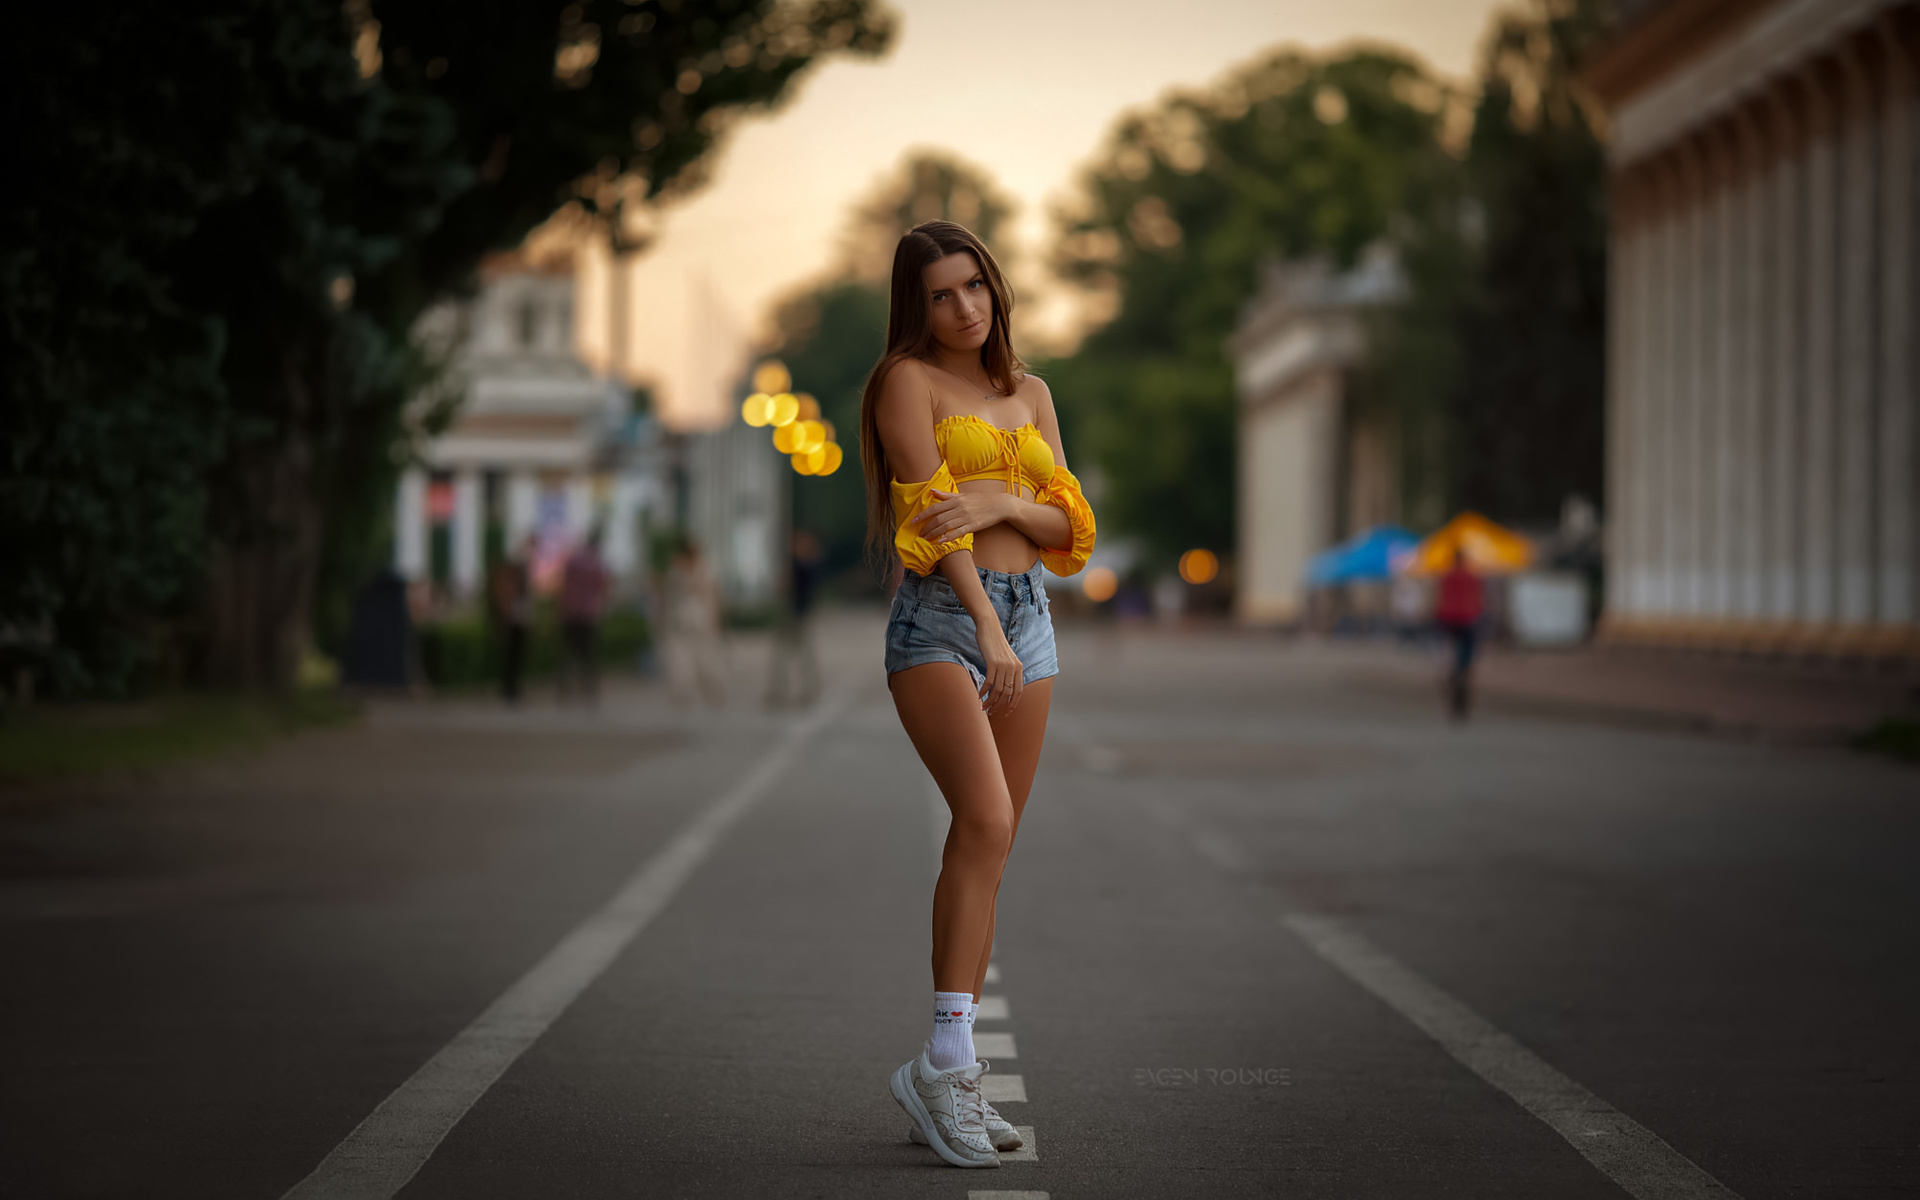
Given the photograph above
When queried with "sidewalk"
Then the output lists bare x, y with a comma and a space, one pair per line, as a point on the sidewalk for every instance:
1770, 701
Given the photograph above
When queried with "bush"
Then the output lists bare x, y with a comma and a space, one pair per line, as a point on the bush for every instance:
464, 652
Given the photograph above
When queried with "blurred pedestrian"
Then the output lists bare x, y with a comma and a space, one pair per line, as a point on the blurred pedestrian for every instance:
1462, 599
968, 490
583, 597
511, 591
793, 633
693, 627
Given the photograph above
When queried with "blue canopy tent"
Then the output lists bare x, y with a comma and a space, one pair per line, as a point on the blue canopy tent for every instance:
1369, 556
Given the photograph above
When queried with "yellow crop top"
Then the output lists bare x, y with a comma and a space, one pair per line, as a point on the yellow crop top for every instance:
974, 448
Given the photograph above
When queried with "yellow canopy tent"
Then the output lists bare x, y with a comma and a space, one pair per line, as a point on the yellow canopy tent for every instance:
1491, 549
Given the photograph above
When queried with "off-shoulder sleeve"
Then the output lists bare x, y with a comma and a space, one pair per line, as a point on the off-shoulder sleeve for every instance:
1063, 492
918, 554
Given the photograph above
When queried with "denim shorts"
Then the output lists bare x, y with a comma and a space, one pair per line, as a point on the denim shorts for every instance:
928, 624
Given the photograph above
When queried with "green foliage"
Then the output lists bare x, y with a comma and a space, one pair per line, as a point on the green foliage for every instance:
1495, 357
224, 220
1288, 157
464, 652
56, 742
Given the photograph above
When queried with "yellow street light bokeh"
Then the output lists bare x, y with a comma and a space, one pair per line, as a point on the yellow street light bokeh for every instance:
757, 409
805, 463
828, 426
809, 407
1199, 566
788, 438
813, 435
831, 460
786, 407
1100, 584
772, 377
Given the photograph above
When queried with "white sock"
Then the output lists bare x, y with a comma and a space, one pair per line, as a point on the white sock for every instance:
952, 1031
973, 1010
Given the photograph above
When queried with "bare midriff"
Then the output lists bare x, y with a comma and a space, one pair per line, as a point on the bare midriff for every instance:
1001, 547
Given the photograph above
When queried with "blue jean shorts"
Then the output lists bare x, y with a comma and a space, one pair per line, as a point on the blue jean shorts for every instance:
928, 624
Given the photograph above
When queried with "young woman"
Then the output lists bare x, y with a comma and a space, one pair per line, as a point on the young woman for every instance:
968, 490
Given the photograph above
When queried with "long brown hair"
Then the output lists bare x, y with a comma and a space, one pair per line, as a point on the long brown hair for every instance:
910, 335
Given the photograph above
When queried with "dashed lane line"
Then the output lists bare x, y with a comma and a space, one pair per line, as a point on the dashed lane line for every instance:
389, 1147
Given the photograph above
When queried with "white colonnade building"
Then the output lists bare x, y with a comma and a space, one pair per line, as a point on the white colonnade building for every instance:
539, 445
1763, 443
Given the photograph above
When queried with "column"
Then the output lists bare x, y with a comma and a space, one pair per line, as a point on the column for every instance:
1620, 235
1786, 500
1859, 197
410, 524
1899, 452
1687, 470
523, 507
1634, 509
1817, 440
1717, 427
579, 507
468, 522
1752, 419
1666, 313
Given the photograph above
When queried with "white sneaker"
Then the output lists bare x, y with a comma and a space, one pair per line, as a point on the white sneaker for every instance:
947, 1109
999, 1130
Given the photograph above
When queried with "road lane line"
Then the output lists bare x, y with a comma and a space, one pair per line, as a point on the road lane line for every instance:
992, 1008
1029, 1151
1627, 1152
994, 1045
1624, 1150
1003, 1089
390, 1146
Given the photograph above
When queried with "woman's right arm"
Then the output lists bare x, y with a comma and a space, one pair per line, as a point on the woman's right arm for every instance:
905, 420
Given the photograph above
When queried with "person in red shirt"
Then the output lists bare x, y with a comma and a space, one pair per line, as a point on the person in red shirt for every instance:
1462, 597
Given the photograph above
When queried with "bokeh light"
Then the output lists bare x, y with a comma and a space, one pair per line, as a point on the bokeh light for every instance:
1100, 585
832, 456
757, 409
772, 377
787, 439
813, 435
1199, 566
805, 463
809, 407
786, 408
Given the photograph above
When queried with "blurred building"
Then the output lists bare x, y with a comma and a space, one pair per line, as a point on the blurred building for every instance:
737, 490
1315, 465
1763, 446
540, 445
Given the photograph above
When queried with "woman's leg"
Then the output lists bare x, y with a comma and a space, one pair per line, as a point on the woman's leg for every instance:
1018, 737
940, 709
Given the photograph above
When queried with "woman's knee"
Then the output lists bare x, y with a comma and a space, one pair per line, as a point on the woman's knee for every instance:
983, 833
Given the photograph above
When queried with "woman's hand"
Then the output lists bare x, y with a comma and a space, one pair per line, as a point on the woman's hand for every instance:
1006, 675
959, 513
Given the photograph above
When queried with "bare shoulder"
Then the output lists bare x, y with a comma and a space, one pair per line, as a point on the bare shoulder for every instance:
1035, 389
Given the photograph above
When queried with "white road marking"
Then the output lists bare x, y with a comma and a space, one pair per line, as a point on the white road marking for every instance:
993, 972
992, 1008
979, 1195
1029, 1151
390, 1146
1003, 1089
1625, 1151
994, 1045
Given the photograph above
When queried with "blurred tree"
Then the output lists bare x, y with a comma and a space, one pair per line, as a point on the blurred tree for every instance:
229, 220
1497, 354
1291, 156
831, 333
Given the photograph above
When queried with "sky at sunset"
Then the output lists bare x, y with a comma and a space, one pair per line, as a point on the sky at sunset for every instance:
1024, 88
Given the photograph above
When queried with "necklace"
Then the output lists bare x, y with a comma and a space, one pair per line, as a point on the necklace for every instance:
970, 383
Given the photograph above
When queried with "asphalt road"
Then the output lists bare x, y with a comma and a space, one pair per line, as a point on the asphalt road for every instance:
1268, 930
